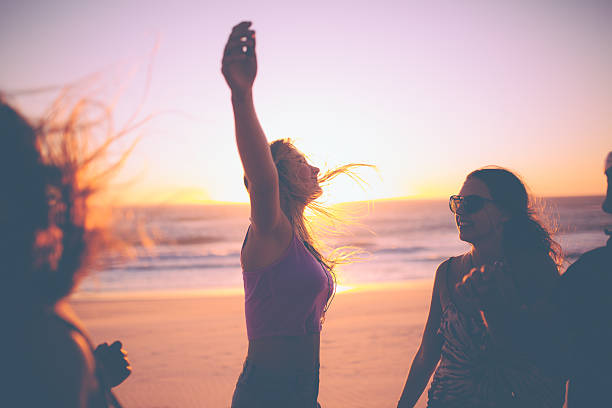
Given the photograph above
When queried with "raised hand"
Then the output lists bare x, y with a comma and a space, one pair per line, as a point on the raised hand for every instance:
239, 64
489, 285
113, 362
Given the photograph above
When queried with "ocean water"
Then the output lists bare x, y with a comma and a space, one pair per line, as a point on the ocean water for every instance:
193, 248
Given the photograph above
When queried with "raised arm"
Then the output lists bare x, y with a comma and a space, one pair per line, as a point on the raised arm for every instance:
239, 67
428, 355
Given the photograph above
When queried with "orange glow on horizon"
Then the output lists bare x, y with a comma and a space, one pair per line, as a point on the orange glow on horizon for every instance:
479, 91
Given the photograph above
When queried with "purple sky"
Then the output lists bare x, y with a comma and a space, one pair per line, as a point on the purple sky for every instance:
427, 91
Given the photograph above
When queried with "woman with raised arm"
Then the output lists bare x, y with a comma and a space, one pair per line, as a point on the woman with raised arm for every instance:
490, 305
287, 281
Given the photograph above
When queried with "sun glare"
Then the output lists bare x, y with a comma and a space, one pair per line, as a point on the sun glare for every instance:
343, 288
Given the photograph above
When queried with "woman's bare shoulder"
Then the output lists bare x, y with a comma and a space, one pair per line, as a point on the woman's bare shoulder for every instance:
64, 362
447, 265
263, 249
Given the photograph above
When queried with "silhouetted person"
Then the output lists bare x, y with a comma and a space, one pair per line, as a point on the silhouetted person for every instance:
479, 335
586, 306
45, 244
288, 282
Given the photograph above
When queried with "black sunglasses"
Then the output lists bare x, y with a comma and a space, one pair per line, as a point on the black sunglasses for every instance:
466, 204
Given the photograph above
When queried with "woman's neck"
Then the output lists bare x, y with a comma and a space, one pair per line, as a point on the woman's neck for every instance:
486, 253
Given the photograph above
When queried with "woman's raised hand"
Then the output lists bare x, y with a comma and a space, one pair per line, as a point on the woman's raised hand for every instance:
239, 64
113, 363
489, 285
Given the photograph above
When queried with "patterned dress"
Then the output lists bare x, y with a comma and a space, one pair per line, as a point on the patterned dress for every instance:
474, 372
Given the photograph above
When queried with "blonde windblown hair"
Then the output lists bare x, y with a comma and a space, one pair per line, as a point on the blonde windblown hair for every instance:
296, 195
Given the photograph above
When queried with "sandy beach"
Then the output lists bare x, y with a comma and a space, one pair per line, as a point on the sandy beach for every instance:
187, 351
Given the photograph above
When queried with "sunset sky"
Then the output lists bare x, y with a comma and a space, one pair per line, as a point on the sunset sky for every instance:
426, 91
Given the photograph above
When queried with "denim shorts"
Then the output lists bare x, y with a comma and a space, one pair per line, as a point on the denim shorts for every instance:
259, 387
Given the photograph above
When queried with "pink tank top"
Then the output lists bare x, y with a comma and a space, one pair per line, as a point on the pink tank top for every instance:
287, 298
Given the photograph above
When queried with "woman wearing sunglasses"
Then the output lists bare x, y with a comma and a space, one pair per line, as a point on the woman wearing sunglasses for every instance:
487, 305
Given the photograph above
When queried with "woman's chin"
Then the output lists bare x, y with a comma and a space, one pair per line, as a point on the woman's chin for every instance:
465, 236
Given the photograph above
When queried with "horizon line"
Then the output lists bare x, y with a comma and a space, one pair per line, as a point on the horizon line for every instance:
386, 199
